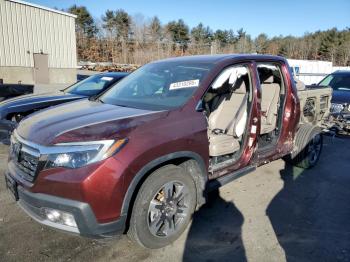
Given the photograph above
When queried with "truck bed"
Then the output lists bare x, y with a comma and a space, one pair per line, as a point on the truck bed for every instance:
314, 104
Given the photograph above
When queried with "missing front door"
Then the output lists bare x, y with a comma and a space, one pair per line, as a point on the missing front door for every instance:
41, 68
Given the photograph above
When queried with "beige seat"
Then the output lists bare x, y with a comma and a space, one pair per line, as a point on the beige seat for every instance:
269, 105
227, 122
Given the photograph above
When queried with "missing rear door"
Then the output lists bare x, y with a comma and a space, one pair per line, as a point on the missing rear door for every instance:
272, 99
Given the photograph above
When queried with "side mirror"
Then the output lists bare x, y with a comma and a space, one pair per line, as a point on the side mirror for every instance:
199, 107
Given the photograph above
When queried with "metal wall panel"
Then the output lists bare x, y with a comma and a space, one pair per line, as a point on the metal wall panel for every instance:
26, 29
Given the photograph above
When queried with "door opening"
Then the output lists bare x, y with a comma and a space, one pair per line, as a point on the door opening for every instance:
273, 90
227, 105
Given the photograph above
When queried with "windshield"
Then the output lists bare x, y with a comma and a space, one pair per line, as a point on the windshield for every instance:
90, 86
158, 86
337, 82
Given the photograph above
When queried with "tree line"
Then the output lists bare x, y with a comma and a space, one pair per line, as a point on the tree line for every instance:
121, 38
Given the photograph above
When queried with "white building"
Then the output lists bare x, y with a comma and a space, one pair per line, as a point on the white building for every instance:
312, 71
37, 44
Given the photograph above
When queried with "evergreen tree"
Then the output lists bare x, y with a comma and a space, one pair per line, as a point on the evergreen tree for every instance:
329, 45
201, 34
84, 23
117, 23
178, 31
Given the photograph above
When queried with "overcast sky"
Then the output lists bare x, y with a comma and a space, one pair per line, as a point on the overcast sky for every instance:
274, 17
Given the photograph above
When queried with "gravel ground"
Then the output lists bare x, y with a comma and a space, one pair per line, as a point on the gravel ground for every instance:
276, 213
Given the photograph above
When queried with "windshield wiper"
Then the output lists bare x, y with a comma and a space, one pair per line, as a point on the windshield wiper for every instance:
96, 99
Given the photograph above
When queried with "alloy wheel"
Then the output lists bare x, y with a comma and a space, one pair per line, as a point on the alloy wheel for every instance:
314, 148
168, 209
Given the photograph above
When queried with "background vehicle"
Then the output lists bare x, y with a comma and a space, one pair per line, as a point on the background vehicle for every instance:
14, 110
81, 77
12, 90
142, 157
339, 120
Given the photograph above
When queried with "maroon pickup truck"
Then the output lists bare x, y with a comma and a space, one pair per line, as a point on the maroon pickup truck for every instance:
140, 158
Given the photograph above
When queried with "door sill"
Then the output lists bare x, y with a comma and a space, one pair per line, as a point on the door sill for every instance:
220, 181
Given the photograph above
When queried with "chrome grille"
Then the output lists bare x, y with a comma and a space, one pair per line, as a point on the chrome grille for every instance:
25, 158
336, 108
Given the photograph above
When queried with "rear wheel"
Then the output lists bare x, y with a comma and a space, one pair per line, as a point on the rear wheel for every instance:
309, 142
163, 207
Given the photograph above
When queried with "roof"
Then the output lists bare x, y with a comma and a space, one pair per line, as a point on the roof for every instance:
341, 72
114, 73
222, 57
43, 7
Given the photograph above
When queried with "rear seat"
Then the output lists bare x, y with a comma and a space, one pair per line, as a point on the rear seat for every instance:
269, 105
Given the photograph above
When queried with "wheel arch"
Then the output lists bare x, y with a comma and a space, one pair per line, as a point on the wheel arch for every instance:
303, 136
189, 160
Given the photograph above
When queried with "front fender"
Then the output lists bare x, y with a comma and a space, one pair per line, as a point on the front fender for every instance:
140, 176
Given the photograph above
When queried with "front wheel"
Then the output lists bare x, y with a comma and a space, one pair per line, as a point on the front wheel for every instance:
17, 118
163, 207
6, 129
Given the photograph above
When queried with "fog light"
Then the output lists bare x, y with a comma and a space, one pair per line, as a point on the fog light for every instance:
68, 219
53, 215
60, 217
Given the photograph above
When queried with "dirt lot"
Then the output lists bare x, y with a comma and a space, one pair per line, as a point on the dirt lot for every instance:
277, 213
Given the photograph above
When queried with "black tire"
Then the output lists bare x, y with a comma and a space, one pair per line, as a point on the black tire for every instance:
16, 118
6, 128
140, 230
309, 142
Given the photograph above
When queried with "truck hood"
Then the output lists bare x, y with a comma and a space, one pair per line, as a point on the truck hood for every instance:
82, 120
341, 97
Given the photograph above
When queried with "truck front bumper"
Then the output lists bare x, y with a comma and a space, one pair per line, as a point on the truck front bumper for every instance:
84, 221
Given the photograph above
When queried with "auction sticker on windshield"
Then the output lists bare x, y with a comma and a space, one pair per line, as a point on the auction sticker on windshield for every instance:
184, 84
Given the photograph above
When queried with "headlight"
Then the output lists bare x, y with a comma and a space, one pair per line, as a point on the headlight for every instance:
75, 155
336, 108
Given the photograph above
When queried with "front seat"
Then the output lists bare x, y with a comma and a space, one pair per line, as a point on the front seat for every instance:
227, 122
270, 93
